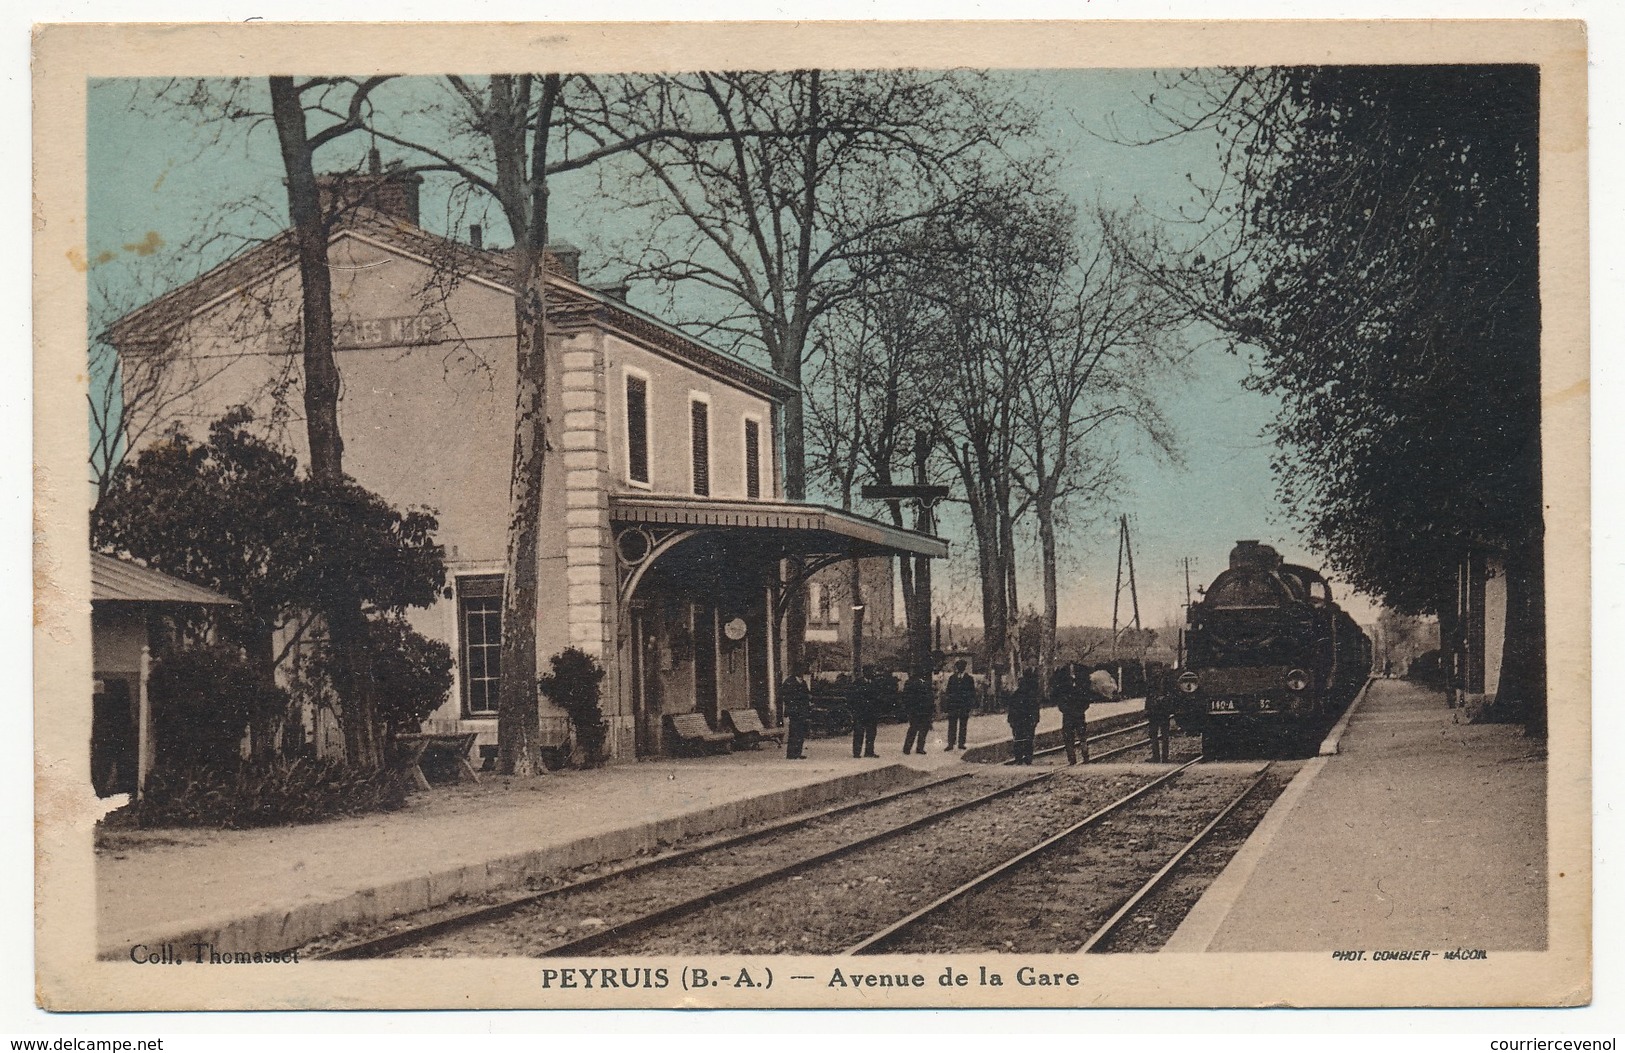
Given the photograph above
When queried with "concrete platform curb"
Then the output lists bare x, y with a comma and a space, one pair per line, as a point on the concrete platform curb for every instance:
1005, 749
1328, 747
283, 929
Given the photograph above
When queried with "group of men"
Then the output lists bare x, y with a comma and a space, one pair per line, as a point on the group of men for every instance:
1072, 688
871, 697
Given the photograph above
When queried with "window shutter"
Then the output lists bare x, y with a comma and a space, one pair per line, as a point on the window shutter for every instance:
700, 422
637, 429
753, 460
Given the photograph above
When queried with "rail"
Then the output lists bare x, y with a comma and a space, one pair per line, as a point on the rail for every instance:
382, 945
871, 943
694, 904
1110, 926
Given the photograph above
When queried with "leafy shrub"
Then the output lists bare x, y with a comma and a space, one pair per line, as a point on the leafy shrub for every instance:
573, 685
237, 515
411, 674
205, 699
278, 793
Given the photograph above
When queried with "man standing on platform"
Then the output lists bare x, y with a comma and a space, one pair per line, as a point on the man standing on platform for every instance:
920, 706
958, 699
1159, 712
870, 694
796, 694
1023, 715
1070, 689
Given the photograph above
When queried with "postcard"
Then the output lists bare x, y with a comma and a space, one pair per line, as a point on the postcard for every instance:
811, 515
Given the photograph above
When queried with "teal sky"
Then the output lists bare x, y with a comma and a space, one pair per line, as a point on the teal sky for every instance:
156, 182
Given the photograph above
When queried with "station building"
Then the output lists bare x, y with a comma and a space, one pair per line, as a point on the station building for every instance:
666, 538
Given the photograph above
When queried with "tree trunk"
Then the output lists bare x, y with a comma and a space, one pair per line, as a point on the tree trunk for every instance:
520, 145
990, 573
1045, 508
917, 586
919, 601
1007, 559
346, 624
788, 366
859, 611
1521, 692
518, 716
262, 739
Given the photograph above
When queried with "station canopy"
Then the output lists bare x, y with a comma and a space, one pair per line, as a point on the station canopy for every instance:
790, 527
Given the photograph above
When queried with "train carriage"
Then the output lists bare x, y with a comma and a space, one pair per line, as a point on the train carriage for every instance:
1270, 658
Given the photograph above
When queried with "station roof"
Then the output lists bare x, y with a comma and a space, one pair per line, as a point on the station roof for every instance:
156, 323
120, 581
818, 528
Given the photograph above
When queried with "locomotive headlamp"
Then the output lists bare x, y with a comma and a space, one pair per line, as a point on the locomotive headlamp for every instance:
1188, 683
1297, 680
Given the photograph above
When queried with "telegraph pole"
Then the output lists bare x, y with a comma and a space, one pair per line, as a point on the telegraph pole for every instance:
1125, 558
1179, 653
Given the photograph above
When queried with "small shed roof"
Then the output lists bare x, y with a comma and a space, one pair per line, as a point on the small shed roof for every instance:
118, 580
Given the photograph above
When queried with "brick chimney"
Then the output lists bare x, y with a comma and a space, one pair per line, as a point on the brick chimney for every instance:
563, 258
389, 191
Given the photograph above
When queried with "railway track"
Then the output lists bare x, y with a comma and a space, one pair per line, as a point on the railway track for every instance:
1004, 906
1101, 938
1040, 914
894, 933
647, 908
1094, 754
700, 854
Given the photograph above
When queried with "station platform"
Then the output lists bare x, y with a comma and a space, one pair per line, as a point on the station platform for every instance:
1420, 832
279, 887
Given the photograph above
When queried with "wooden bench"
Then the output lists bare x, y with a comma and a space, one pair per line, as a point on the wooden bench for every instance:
749, 729
694, 731
418, 746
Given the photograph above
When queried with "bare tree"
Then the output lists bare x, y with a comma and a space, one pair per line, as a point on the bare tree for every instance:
988, 267
871, 389
1096, 360
770, 217
137, 389
155, 375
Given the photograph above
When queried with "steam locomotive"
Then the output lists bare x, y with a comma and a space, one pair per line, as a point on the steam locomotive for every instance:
1270, 659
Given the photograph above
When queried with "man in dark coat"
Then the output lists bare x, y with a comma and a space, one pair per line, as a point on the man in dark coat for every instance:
920, 706
958, 699
1023, 715
1069, 687
1159, 713
870, 696
796, 694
